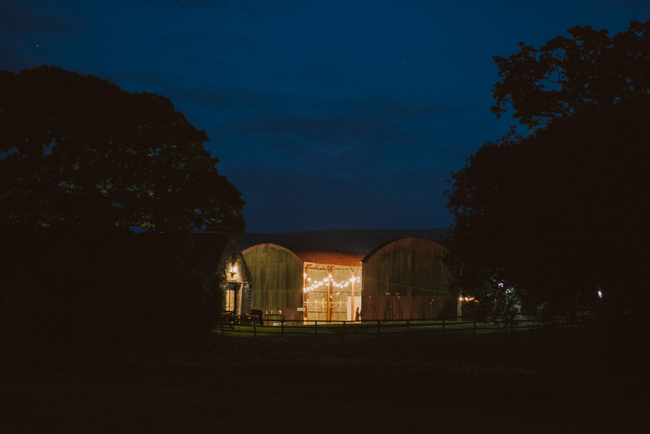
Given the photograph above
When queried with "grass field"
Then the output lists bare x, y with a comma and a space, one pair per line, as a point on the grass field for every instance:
538, 381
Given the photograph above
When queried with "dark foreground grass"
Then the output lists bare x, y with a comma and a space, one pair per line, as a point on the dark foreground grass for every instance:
540, 381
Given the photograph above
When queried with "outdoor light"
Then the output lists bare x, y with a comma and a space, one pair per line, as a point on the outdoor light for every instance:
326, 281
600, 294
233, 271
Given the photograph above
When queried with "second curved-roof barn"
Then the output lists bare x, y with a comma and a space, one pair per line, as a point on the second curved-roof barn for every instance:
406, 279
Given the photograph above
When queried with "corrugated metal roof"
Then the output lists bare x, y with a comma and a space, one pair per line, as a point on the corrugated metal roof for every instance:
381, 246
342, 240
331, 257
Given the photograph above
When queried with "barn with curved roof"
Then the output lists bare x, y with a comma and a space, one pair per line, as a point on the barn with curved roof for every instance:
305, 284
406, 279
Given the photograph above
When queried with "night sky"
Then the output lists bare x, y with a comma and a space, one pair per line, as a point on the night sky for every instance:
324, 114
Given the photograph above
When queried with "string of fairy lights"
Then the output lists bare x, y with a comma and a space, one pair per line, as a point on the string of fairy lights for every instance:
314, 285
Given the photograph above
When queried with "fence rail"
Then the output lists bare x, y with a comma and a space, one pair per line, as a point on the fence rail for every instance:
463, 324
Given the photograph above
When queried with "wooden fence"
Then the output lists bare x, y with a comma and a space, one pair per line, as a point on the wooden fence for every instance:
464, 324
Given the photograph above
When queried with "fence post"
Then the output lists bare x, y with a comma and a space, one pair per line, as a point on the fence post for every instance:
344, 327
474, 324
221, 321
282, 324
255, 329
315, 326
443, 326
378, 325
407, 326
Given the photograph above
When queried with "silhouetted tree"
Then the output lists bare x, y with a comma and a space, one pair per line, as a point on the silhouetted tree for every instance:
560, 215
82, 162
587, 69
79, 150
556, 218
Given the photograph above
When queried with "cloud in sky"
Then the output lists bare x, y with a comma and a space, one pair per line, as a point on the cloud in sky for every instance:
339, 135
142, 80
188, 36
280, 121
27, 21
328, 129
7, 50
220, 99
285, 199
403, 110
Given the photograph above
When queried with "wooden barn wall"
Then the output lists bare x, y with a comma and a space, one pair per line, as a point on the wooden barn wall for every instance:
407, 279
276, 278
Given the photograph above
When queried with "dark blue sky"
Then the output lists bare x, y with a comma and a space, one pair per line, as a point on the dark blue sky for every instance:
324, 114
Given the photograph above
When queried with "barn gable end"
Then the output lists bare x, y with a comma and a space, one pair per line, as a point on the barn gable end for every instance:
406, 279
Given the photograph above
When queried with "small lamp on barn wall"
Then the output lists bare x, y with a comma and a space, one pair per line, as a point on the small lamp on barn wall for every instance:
233, 271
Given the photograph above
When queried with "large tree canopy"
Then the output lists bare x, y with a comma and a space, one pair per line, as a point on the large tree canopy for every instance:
587, 69
559, 215
78, 150
81, 163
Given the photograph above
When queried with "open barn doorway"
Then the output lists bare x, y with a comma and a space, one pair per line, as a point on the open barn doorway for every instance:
354, 303
331, 292
232, 290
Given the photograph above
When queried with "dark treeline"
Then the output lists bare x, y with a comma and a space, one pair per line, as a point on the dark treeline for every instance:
82, 162
83, 285
558, 219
